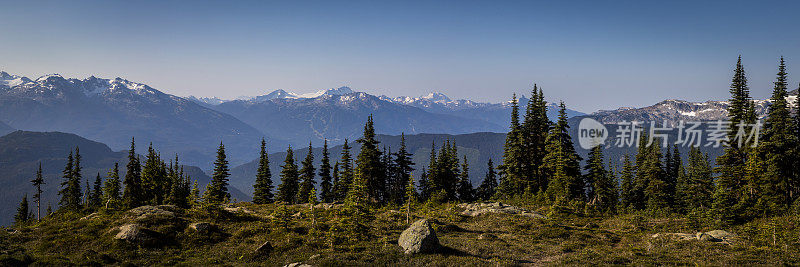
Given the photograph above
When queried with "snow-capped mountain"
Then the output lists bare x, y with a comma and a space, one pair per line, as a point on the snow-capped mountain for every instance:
114, 110
336, 115
674, 110
277, 94
497, 113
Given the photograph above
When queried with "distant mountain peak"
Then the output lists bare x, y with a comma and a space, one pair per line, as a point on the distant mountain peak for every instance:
437, 97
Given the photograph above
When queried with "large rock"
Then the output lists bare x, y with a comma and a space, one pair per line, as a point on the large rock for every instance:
134, 233
419, 238
477, 209
721, 235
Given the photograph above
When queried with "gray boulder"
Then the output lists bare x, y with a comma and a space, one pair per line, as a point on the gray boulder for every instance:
134, 233
419, 238
721, 235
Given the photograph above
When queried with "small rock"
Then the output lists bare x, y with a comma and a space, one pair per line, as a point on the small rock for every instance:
314, 256
133, 233
297, 264
264, 249
721, 234
419, 238
91, 216
202, 227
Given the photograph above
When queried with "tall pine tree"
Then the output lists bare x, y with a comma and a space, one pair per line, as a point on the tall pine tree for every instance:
307, 176
290, 184
37, 197
326, 179
133, 194
368, 164
217, 190
262, 190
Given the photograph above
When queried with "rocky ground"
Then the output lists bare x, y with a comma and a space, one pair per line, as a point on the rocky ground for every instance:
440, 235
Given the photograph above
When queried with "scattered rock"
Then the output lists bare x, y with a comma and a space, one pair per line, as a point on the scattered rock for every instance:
314, 256
419, 238
264, 249
232, 209
91, 216
477, 209
297, 264
202, 227
712, 236
149, 212
134, 233
721, 235
297, 215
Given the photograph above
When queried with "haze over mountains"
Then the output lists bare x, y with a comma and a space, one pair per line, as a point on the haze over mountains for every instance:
114, 110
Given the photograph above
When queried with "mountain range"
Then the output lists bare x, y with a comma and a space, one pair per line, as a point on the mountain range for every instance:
339, 113
113, 111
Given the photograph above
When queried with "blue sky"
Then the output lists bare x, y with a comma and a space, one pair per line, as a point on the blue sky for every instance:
591, 54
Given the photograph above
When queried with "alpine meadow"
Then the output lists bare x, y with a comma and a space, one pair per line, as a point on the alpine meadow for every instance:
578, 133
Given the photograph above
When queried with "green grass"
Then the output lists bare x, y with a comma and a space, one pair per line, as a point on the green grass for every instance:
494, 239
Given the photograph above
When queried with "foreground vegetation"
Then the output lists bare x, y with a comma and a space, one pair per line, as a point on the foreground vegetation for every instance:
566, 236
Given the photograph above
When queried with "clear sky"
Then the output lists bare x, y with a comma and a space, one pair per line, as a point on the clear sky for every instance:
591, 54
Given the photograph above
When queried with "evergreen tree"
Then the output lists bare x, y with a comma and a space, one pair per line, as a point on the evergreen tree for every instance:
424, 189
488, 187
112, 188
628, 183
312, 201
410, 198
287, 190
356, 210
71, 186
194, 194
217, 190
154, 178
262, 190
731, 165
22, 215
656, 193
465, 190
179, 185
133, 193
368, 164
699, 181
512, 170
774, 187
562, 163
345, 173
326, 183
534, 132
403, 168
97, 193
603, 193
307, 175
37, 197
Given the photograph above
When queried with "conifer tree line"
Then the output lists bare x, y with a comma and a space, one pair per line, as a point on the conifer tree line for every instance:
384, 174
752, 178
